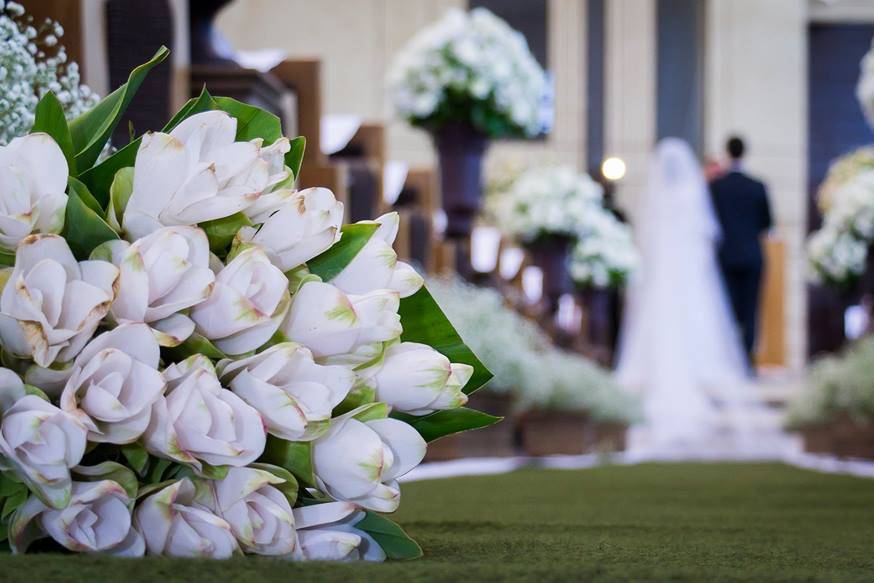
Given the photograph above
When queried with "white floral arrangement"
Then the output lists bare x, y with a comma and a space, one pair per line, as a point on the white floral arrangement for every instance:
469, 67
32, 63
840, 171
200, 360
546, 201
865, 85
605, 254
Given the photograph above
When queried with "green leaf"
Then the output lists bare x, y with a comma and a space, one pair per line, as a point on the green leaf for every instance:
9, 485
294, 456
213, 472
7, 258
195, 105
49, 118
13, 502
390, 537
221, 232
361, 394
84, 229
424, 322
442, 423
252, 122
91, 130
136, 456
196, 344
294, 157
119, 194
32, 390
121, 475
370, 411
288, 488
156, 474
353, 238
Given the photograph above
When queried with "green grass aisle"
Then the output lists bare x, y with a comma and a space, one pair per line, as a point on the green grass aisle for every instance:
679, 521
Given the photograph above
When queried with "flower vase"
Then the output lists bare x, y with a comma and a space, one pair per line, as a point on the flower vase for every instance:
208, 46
598, 308
551, 254
460, 149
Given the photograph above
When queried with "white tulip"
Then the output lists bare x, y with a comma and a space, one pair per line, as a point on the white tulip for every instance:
199, 421
51, 304
196, 173
247, 304
161, 275
41, 443
33, 178
97, 520
376, 266
175, 525
417, 379
259, 515
326, 533
294, 395
114, 384
360, 462
307, 223
340, 328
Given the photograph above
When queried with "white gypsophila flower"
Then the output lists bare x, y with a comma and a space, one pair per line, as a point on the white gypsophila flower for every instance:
294, 395
33, 178
474, 59
865, 85
326, 532
852, 205
549, 200
247, 304
197, 173
605, 255
360, 461
842, 170
199, 421
114, 383
51, 304
342, 328
416, 379
304, 224
259, 514
175, 525
162, 274
376, 265
97, 520
836, 256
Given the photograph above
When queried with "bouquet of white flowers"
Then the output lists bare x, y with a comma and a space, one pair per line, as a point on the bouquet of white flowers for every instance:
32, 63
841, 171
200, 360
472, 68
605, 255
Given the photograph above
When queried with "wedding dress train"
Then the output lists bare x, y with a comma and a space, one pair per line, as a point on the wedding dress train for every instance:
679, 348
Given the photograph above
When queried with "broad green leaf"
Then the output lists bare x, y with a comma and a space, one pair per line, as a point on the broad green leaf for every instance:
7, 258
442, 423
196, 344
390, 537
91, 130
424, 322
84, 229
213, 472
49, 118
9, 485
221, 232
195, 105
294, 456
13, 502
353, 238
121, 475
156, 473
252, 122
136, 456
288, 488
99, 178
294, 157
370, 411
119, 194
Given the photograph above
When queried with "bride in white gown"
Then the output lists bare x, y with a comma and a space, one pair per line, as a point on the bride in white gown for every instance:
680, 349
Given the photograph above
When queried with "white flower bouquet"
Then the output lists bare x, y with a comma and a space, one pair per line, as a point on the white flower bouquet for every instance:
605, 255
200, 360
472, 68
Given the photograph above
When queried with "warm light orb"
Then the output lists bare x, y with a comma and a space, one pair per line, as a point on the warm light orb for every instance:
613, 168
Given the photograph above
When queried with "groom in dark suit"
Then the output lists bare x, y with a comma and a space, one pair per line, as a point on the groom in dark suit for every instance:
741, 203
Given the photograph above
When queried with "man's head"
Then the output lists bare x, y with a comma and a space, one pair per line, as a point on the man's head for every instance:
735, 148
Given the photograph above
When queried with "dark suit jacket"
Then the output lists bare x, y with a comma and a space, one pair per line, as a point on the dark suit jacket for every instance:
741, 203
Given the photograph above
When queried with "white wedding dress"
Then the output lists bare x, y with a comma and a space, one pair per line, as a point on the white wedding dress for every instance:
680, 349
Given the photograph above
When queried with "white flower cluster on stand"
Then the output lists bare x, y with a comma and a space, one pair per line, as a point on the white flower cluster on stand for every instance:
163, 396
470, 67
605, 255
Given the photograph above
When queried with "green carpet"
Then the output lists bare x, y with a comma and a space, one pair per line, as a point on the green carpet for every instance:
713, 522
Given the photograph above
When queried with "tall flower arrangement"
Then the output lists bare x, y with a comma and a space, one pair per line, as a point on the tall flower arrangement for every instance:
605, 255
200, 360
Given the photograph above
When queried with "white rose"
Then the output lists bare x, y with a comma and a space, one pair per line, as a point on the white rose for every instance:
97, 520
248, 303
51, 304
376, 266
294, 395
360, 462
42, 443
33, 178
340, 328
307, 223
259, 514
114, 384
199, 421
195, 173
417, 379
175, 525
161, 275
326, 533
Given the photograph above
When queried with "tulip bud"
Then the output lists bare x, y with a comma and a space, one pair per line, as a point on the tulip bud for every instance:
327, 533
